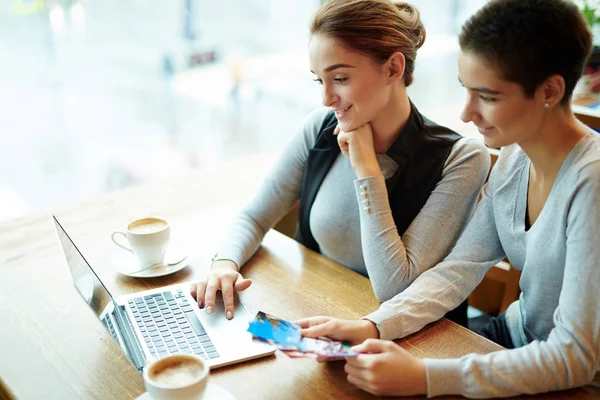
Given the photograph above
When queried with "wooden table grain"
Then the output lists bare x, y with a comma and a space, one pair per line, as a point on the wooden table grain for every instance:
53, 346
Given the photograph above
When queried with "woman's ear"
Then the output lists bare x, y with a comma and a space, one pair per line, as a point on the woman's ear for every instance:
553, 90
395, 67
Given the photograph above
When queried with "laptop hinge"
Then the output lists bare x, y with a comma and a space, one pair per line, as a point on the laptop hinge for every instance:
132, 346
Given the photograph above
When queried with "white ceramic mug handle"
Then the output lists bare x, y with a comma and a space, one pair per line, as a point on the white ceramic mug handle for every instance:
119, 244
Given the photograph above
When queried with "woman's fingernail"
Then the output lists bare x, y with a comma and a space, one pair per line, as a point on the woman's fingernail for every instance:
209, 309
229, 316
200, 304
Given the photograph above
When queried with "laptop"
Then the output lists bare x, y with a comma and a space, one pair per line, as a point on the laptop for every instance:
154, 323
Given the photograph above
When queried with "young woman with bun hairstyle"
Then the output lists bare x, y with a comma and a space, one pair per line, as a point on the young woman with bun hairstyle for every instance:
383, 190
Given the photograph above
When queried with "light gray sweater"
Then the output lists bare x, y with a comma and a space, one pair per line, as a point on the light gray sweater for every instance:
338, 218
556, 322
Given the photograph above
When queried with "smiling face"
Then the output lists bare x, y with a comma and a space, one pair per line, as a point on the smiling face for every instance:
498, 107
354, 85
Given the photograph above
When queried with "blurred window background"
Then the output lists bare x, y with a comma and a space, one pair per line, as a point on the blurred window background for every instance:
99, 95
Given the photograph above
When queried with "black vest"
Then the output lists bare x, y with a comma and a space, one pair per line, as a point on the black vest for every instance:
420, 151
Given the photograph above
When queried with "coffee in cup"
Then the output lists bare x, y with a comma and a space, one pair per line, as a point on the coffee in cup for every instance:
178, 376
147, 238
147, 225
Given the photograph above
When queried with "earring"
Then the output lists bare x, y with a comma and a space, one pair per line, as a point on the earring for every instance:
546, 105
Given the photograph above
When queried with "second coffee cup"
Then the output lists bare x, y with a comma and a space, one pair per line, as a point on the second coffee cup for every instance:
147, 238
177, 376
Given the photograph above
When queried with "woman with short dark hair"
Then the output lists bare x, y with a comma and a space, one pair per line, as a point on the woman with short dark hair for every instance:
519, 62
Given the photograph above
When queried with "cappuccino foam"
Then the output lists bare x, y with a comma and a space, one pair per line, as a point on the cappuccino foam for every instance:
147, 226
176, 373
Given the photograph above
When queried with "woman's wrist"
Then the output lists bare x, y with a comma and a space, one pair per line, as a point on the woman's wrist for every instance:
224, 263
367, 171
368, 329
421, 381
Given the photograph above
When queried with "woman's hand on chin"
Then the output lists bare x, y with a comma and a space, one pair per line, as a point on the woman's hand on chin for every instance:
358, 146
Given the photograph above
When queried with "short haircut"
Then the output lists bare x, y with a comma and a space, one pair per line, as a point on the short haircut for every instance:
375, 28
528, 41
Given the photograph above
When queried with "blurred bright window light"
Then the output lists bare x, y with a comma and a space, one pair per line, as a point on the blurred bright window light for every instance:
77, 13
57, 18
12, 204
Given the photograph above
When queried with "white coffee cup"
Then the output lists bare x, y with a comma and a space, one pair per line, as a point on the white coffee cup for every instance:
147, 238
175, 377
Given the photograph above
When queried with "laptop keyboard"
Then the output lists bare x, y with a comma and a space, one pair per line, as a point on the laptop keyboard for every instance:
169, 325
109, 325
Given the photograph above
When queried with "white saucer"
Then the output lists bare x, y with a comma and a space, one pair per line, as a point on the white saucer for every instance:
127, 264
213, 392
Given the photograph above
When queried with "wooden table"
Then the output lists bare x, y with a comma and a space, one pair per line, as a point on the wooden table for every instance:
52, 346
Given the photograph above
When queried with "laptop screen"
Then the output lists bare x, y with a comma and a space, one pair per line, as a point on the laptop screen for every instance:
85, 279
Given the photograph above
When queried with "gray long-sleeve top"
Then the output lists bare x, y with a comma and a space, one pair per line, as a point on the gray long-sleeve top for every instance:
556, 322
391, 262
